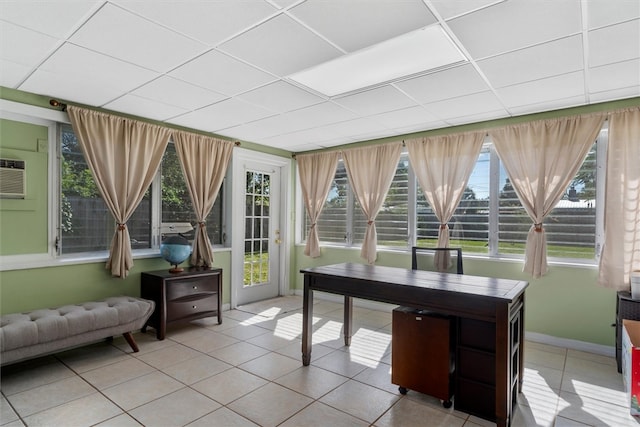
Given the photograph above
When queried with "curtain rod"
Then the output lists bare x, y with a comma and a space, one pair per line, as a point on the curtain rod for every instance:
63, 107
56, 103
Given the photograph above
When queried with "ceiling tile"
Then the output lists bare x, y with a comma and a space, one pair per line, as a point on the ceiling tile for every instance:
198, 119
604, 12
627, 74
178, 93
445, 84
543, 90
353, 25
284, 3
465, 106
70, 87
380, 100
421, 127
560, 56
449, 9
261, 129
405, 117
356, 127
211, 22
615, 43
293, 139
628, 92
24, 46
110, 77
121, 34
516, 24
281, 97
142, 107
319, 115
224, 114
281, 46
221, 73
474, 118
55, 18
11, 74
554, 104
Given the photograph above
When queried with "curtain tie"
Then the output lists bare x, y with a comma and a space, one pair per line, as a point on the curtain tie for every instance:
370, 222
202, 224
121, 226
443, 226
538, 227
313, 225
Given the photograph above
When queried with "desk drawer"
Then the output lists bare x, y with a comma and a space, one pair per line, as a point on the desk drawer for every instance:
476, 399
477, 334
477, 365
177, 289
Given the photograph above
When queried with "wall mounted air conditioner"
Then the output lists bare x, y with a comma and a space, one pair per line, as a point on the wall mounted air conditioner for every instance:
12, 179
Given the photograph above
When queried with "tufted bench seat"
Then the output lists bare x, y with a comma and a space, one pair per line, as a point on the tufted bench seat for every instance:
39, 332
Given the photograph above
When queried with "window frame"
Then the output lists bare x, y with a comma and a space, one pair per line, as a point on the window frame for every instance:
53, 120
493, 229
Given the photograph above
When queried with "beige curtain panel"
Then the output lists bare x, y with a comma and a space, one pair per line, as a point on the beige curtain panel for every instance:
620, 256
541, 158
316, 173
370, 171
443, 165
124, 156
204, 163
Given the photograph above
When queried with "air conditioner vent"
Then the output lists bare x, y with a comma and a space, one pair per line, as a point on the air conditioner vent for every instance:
12, 179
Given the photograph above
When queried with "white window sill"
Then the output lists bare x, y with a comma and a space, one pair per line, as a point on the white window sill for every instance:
24, 262
566, 262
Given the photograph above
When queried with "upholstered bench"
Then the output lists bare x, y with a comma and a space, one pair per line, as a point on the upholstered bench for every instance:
39, 332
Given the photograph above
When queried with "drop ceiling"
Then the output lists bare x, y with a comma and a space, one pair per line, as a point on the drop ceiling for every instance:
229, 66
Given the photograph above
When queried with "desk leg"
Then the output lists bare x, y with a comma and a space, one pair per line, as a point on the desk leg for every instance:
521, 355
503, 366
307, 322
348, 310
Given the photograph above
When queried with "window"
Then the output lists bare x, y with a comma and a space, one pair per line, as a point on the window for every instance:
342, 219
469, 226
332, 223
489, 219
570, 227
177, 208
87, 225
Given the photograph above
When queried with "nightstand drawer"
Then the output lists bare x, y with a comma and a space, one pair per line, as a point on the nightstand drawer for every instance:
177, 289
194, 305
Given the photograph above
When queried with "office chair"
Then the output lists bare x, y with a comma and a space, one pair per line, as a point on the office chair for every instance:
457, 252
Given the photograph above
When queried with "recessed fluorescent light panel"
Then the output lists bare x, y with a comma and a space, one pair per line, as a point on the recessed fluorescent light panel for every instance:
412, 53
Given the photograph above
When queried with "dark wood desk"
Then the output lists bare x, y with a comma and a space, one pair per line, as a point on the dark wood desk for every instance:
495, 302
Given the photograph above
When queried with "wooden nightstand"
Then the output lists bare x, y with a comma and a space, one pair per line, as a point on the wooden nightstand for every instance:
181, 297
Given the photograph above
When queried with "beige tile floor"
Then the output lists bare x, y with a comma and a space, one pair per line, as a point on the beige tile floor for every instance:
248, 371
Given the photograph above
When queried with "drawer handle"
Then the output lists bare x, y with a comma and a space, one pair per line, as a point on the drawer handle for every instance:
194, 306
195, 287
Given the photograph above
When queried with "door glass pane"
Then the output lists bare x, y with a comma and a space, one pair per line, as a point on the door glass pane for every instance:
256, 257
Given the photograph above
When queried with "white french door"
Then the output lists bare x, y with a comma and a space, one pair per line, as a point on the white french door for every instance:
257, 228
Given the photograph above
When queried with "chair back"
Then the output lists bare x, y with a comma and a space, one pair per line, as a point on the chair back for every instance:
444, 260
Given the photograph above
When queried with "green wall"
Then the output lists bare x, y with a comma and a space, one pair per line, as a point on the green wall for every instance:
565, 303
23, 290
24, 221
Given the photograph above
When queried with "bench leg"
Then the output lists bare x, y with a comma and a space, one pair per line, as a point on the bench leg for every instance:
132, 343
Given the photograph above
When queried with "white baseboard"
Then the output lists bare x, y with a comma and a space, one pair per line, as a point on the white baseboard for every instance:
588, 347
603, 350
